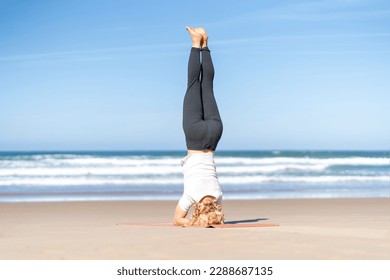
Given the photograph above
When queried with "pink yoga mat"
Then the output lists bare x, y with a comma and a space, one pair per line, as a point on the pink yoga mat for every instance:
238, 225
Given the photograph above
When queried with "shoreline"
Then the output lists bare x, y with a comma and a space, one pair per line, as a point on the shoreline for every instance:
331, 228
10, 198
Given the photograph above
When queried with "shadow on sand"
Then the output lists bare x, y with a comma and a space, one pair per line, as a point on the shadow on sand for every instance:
245, 221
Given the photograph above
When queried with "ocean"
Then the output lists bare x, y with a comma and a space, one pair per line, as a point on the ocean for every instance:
157, 175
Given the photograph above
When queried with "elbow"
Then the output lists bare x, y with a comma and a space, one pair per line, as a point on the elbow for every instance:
180, 222
177, 221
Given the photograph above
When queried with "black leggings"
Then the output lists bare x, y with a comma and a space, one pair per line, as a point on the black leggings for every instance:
201, 120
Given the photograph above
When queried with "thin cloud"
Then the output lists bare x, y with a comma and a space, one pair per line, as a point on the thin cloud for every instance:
115, 53
294, 37
91, 54
310, 11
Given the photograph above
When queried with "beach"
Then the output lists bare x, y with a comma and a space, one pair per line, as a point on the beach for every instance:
308, 229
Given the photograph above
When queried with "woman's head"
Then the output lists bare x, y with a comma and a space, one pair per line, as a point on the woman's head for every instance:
207, 213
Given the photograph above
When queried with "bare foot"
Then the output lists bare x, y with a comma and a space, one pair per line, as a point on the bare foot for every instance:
205, 37
197, 38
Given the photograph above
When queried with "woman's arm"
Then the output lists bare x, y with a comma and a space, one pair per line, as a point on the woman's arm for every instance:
179, 218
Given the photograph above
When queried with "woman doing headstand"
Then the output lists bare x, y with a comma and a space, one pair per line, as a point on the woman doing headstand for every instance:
202, 127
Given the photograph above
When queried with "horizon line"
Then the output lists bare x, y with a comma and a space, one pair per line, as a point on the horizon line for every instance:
184, 150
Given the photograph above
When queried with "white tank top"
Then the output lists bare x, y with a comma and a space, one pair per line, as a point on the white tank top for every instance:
200, 179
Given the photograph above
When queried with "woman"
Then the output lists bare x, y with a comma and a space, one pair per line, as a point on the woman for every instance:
203, 129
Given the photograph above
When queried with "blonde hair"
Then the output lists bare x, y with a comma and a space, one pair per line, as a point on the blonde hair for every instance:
207, 213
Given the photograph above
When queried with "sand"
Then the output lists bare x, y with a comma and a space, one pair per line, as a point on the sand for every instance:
308, 230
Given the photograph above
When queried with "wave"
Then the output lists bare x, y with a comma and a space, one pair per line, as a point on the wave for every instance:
88, 181
149, 170
90, 161
307, 161
269, 164
84, 171
306, 179
236, 180
57, 169
131, 159
156, 174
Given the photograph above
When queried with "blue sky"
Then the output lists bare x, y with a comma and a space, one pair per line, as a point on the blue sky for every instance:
111, 75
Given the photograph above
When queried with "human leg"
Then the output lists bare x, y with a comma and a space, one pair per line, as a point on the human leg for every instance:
192, 105
210, 108
205, 37
201, 120
193, 121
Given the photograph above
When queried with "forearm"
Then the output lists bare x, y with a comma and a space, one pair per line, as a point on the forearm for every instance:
181, 222
180, 217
